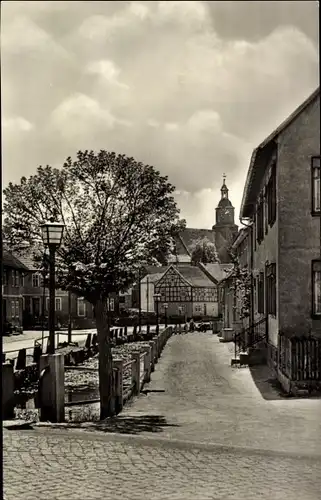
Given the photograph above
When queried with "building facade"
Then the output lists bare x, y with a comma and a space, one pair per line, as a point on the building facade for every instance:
281, 247
188, 292
13, 276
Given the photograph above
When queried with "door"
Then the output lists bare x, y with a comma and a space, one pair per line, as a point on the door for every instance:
205, 310
36, 307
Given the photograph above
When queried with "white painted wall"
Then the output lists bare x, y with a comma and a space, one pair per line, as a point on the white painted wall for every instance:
147, 296
211, 309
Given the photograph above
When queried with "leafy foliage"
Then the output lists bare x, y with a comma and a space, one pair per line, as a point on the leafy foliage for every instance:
118, 214
242, 285
204, 251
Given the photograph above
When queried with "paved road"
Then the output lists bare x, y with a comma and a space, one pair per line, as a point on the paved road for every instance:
26, 340
43, 465
205, 400
271, 445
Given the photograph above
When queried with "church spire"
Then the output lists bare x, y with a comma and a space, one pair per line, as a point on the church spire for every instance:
224, 189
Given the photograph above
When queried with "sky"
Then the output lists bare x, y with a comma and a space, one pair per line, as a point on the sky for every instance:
190, 87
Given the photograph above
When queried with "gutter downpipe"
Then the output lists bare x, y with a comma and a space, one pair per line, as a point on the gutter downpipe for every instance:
252, 280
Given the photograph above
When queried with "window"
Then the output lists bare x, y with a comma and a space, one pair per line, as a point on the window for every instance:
260, 222
36, 280
316, 287
6, 277
57, 303
13, 308
260, 294
17, 309
111, 304
271, 289
81, 307
266, 211
14, 278
316, 184
271, 197
22, 279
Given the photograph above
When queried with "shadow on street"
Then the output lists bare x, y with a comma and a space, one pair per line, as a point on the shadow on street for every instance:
268, 385
134, 425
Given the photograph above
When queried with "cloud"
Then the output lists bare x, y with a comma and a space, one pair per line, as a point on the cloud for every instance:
79, 115
108, 71
167, 82
16, 124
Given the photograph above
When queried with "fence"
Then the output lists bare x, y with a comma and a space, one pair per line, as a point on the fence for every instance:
300, 358
129, 377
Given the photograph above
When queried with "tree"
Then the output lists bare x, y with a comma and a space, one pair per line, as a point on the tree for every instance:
204, 251
118, 214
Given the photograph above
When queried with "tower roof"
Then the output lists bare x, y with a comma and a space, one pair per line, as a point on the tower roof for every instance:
224, 201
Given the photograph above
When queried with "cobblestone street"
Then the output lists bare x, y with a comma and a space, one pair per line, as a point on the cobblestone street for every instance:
48, 465
202, 430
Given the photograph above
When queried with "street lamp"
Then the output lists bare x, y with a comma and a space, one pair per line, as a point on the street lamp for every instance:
52, 233
165, 310
157, 297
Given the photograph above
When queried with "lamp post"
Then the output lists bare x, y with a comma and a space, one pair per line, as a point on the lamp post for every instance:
165, 310
52, 233
157, 297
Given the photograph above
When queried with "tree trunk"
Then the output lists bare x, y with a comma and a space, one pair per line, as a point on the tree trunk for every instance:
105, 360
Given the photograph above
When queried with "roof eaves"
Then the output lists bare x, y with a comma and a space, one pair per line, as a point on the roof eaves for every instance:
259, 150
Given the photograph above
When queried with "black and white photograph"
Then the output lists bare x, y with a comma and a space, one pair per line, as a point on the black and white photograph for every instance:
161, 250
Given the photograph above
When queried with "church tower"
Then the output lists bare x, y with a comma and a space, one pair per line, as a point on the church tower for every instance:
225, 229
224, 209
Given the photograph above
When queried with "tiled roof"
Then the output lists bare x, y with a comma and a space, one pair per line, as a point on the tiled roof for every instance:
152, 278
190, 236
183, 258
218, 271
155, 269
195, 276
28, 262
9, 260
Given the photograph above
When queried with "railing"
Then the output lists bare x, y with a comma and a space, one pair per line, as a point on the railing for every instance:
130, 376
300, 358
250, 336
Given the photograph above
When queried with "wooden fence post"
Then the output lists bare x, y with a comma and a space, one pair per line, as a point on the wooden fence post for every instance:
52, 390
88, 341
118, 364
7, 391
21, 361
147, 363
136, 372
152, 346
37, 352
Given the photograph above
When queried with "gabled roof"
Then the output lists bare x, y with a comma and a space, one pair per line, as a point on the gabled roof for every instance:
190, 236
193, 275
152, 278
177, 259
9, 260
242, 234
155, 269
28, 262
217, 271
258, 158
